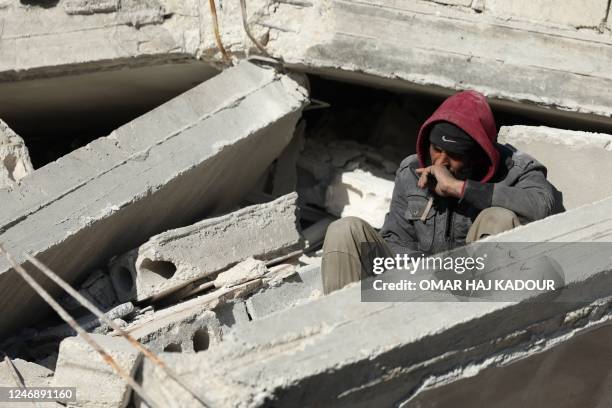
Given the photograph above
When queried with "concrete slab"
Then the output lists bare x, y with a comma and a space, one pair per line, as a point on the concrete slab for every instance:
577, 162
399, 345
80, 366
172, 259
161, 171
424, 46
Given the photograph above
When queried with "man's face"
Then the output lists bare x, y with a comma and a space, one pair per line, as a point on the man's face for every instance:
457, 164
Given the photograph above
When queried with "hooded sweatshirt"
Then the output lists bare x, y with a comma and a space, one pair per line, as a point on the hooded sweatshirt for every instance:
511, 180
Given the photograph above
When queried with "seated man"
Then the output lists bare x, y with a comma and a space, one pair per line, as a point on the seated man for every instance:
461, 186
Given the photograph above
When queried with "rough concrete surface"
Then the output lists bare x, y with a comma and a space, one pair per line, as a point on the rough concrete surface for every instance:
97, 384
15, 160
33, 375
176, 163
244, 271
303, 286
174, 258
399, 345
578, 163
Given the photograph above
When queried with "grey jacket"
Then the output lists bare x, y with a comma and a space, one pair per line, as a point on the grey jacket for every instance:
519, 185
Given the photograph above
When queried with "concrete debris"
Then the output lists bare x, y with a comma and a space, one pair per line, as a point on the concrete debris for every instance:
315, 234
232, 314
375, 369
555, 148
284, 178
14, 157
246, 270
237, 111
90, 6
98, 289
174, 258
347, 179
80, 366
298, 288
89, 323
33, 375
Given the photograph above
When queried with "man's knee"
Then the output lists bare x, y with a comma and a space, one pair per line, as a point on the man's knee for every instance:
498, 215
347, 226
492, 221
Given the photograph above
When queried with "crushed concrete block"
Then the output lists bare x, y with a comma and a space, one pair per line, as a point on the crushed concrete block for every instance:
184, 331
90, 6
173, 163
592, 12
464, 3
591, 153
360, 194
246, 270
380, 353
299, 288
175, 258
33, 375
347, 178
232, 314
122, 269
15, 160
97, 384
98, 289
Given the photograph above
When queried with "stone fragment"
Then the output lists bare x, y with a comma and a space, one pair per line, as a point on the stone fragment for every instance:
14, 157
33, 375
244, 271
576, 161
196, 155
97, 384
175, 258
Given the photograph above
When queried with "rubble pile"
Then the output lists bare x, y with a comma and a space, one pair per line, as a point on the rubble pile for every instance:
192, 214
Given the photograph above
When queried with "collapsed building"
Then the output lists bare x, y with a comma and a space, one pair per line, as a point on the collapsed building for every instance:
179, 162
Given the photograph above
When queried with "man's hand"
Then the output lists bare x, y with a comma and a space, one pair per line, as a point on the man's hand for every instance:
446, 184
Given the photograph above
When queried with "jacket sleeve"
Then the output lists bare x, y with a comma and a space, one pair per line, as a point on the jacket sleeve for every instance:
530, 195
397, 230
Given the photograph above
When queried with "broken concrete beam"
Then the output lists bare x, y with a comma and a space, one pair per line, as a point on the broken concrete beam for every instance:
400, 344
304, 286
97, 384
555, 148
15, 161
174, 165
244, 271
175, 258
443, 47
33, 375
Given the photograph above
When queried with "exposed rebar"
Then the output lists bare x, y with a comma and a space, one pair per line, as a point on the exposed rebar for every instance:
76, 327
245, 25
213, 13
100, 315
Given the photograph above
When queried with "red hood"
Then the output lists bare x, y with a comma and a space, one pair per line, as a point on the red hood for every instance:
470, 111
